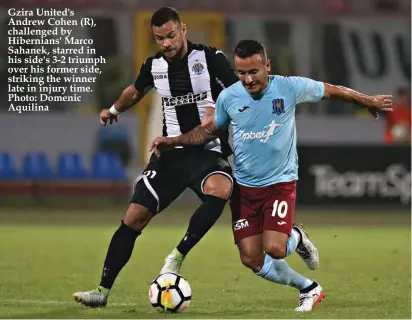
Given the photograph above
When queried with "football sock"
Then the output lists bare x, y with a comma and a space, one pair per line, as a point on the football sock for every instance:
118, 254
177, 254
293, 242
202, 220
309, 288
279, 271
103, 290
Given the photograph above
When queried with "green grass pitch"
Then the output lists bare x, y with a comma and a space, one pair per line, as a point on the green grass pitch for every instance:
365, 264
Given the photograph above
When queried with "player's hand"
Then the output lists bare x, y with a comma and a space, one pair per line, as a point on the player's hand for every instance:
161, 143
106, 115
380, 103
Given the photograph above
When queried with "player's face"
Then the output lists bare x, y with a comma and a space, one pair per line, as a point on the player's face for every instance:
253, 72
170, 38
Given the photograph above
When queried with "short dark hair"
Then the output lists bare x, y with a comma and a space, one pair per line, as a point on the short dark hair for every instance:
163, 15
248, 48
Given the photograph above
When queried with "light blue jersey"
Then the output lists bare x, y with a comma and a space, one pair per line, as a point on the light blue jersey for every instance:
264, 130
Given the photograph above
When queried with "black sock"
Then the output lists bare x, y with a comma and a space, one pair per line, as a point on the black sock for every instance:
118, 254
311, 287
202, 220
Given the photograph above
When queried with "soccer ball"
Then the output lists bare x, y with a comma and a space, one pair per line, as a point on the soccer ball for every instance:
170, 292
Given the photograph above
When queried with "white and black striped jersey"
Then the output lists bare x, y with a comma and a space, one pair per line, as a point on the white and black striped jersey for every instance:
187, 87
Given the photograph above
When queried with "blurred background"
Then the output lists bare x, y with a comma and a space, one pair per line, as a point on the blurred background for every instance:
346, 158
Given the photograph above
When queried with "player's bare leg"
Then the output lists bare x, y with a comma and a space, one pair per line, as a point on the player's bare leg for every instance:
251, 252
270, 267
118, 254
306, 249
279, 245
217, 189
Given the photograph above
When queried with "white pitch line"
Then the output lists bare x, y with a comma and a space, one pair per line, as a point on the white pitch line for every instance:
114, 304
56, 302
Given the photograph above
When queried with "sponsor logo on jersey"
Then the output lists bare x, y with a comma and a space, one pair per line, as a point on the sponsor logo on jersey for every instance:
263, 135
186, 99
159, 76
240, 224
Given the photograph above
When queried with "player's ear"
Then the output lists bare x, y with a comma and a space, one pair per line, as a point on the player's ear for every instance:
184, 29
268, 66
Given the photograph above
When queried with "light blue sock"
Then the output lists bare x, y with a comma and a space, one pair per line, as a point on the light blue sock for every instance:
279, 271
292, 242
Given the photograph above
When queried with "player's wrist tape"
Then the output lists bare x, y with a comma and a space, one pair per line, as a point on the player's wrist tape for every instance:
113, 111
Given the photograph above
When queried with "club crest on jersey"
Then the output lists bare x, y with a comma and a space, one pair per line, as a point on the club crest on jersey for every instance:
198, 68
278, 106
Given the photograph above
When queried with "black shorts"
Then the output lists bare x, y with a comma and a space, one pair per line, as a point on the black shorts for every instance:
166, 177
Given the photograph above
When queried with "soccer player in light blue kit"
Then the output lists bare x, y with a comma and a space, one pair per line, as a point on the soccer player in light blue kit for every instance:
261, 110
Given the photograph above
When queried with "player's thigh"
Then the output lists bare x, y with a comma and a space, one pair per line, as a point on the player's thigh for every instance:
247, 218
212, 176
251, 252
160, 183
279, 211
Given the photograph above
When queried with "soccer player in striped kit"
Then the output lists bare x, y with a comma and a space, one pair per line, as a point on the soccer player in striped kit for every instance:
188, 77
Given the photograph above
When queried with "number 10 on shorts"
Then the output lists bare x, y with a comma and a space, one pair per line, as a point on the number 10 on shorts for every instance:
280, 209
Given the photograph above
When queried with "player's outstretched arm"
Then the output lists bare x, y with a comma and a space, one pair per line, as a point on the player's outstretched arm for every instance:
202, 134
128, 98
373, 103
131, 95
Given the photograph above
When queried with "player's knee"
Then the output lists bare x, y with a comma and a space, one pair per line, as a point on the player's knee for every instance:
137, 216
219, 186
253, 262
275, 250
